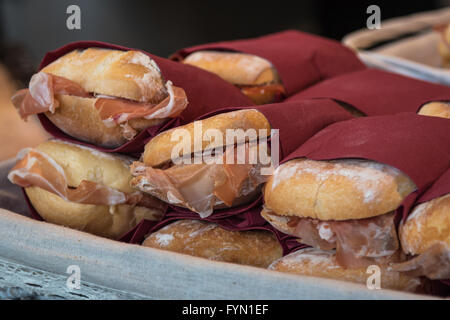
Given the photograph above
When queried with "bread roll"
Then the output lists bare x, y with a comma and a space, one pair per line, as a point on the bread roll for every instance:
158, 151
428, 223
256, 248
126, 74
444, 47
81, 163
336, 190
256, 77
320, 263
436, 109
236, 68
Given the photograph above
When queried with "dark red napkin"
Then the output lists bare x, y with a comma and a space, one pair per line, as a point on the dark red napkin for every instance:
205, 92
301, 59
375, 92
297, 121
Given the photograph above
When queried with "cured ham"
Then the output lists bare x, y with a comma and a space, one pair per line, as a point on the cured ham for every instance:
199, 187
35, 168
358, 243
434, 263
40, 98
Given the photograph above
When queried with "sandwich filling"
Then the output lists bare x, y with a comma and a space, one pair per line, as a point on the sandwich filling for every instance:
434, 263
200, 187
358, 242
44, 88
36, 168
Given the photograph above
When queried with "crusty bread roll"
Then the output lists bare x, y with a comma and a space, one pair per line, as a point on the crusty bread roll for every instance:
79, 118
428, 223
335, 190
236, 68
81, 163
436, 109
126, 74
158, 151
320, 263
444, 47
257, 248
256, 77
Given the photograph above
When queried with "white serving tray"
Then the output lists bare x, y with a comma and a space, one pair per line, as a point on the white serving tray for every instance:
415, 56
132, 271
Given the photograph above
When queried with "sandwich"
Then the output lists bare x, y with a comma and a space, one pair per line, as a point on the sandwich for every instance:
256, 77
101, 96
425, 237
205, 170
208, 240
346, 205
84, 189
322, 263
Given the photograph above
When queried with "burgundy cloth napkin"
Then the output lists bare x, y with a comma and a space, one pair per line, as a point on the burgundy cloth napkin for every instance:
205, 92
375, 92
301, 59
297, 121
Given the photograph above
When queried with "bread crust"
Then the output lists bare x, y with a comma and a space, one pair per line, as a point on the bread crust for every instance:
236, 68
428, 223
335, 190
443, 47
320, 263
83, 163
436, 109
126, 74
105, 221
203, 239
79, 118
158, 151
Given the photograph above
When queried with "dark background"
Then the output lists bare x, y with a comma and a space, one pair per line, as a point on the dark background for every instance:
29, 28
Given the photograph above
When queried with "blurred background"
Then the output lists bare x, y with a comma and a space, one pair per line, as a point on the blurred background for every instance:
30, 28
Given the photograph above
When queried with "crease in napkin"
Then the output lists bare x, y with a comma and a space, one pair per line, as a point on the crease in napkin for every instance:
205, 92
301, 59
375, 92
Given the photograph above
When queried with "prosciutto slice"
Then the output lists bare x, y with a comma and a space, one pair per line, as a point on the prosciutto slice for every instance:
40, 98
35, 168
358, 243
122, 110
434, 263
199, 187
